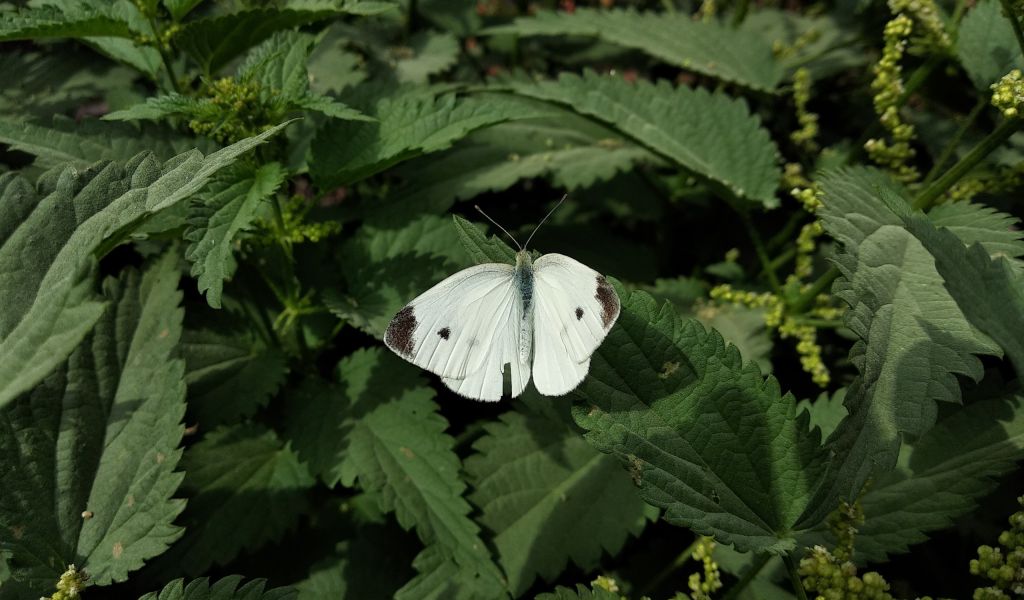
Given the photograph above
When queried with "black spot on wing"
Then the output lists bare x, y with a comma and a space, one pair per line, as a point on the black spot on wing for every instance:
579, 313
444, 333
609, 301
399, 334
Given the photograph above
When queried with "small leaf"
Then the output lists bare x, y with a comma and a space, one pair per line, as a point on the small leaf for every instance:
986, 45
712, 135
156, 108
549, 497
997, 232
223, 589
432, 53
89, 454
216, 219
232, 474
704, 47
178, 9
483, 249
703, 435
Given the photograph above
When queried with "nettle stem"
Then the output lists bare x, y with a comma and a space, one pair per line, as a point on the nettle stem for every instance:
748, 576
762, 254
927, 198
951, 146
1008, 9
820, 285
794, 577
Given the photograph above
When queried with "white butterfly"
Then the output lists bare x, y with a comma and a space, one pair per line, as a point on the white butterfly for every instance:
555, 311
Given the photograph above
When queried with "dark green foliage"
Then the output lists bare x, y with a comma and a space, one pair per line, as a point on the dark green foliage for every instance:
210, 212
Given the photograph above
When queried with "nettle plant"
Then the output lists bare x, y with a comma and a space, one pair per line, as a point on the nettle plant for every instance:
210, 211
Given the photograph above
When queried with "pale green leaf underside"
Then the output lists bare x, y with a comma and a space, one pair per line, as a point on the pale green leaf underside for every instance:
549, 497
712, 135
100, 434
704, 47
706, 437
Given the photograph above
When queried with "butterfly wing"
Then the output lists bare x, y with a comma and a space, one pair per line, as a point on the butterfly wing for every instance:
575, 307
465, 329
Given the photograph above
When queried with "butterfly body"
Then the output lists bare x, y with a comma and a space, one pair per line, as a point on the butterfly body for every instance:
542, 318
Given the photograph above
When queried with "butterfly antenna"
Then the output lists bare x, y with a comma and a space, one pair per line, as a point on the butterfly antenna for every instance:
481, 211
545, 219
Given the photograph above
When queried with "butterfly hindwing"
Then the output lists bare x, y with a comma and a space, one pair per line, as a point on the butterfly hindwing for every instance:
574, 309
465, 329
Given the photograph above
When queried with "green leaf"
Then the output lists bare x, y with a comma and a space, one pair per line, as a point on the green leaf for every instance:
223, 589
986, 45
581, 592
483, 249
712, 135
387, 264
942, 476
549, 497
63, 141
89, 454
574, 152
230, 374
180, 8
399, 453
217, 218
45, 291
279, 65
913, 338
75, 21
441, 578
704, 436
826, 412
212, 42
704, 47
410, 122
988, 290
997, 232
157, 107
372, 564
822, 43
232, 474
432, 53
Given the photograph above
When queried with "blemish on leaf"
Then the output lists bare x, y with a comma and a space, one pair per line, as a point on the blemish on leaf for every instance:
117, 550
191, 430
87, 514
714, 496
130, 500
165, 333
407, 452
160, 457
593, 411
668, 369
18, 531
636, 470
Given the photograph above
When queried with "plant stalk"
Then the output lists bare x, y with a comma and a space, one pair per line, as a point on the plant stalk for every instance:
762, 254
1008, 9
679, 561
748, 576
163, 55
927, 198
820, 285
951, 146
794, 577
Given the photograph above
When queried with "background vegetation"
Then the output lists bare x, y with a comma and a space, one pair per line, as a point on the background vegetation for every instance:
210, 210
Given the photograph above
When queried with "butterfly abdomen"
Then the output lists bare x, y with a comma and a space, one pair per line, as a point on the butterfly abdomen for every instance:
524, 283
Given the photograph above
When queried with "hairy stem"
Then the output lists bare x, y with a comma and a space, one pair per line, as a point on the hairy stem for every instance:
954, 141
927, 198
1008, 9
762, 254
164, 57
794, 577
820, 285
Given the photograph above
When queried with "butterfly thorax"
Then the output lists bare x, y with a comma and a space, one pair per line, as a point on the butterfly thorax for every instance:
524, 283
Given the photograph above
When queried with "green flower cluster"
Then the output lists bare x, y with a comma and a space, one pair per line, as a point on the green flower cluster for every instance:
703, 583
1004, 567
925, 13
293, 227
888, 88
1008, 94
804, 137
70, 584
832, 575
232, 110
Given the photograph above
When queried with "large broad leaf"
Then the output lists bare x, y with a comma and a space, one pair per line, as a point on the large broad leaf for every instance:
231, 475
63, 141
75, 21
549, 497
712, 135
88, 456
397, 450
986, 45
46, 288
998, 233
942, 476
913, 338
410, 121
705, 436
225, 211
230, 373
227, 588
704, 47
574, 152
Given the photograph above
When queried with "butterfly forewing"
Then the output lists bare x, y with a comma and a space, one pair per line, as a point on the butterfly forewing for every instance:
575, 308
465, 329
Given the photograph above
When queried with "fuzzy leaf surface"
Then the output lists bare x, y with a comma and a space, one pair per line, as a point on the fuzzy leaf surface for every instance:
986, 45
100, 434
705, 436
704, 47
549, 497
82, 213
997, 232
75, 21
409, 122
217, 218
232, 475
712, 135
227, 588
